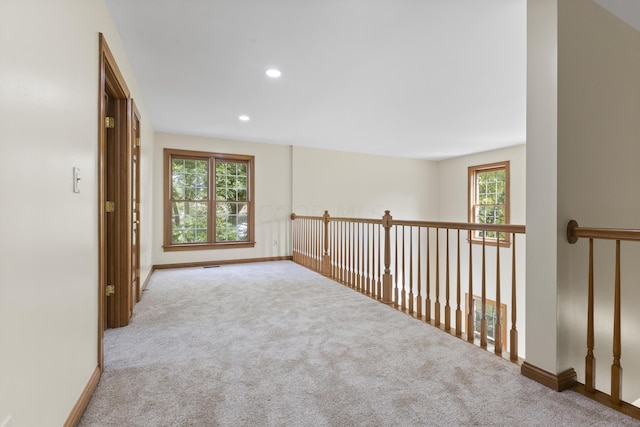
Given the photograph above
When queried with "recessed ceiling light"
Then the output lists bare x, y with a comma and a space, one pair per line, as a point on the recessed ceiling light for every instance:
244, 118
273, 73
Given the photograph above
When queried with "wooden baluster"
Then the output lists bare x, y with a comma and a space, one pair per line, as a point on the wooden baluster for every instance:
309, 240
349, 251
344, 253
410, 270
369, 259
497, 327
326, 259
334, 252
590, 372
395, 288
338, 228
471, 322
403, 305
335, 256
354, 258
483, 322
362, 264
437, 305
458, 310
363, 277
294, 237
373, 261
307, 243
339, 243
513, 350
419, 297
427, 302
314, 245
447, 308
347, 267
352, 277
358, 238
379, 282
616, 369
303, 242
387, 280
300, 235
319, 246
311, 224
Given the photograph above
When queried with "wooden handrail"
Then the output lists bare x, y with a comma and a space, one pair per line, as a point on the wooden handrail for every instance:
574, 232
503, 228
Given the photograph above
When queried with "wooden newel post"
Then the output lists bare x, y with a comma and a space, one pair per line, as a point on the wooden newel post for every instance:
387, 279
294, 238
326, 258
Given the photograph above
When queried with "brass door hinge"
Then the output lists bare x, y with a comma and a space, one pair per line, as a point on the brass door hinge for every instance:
110, 122
110, 206
137, 142
110, 290
137, 272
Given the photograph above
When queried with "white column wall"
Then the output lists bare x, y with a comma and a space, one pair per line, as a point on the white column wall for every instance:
542, 182
598, 183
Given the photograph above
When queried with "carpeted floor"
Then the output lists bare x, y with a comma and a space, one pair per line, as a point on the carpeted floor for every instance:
274, 344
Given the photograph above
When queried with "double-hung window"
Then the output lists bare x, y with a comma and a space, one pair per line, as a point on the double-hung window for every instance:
489, 200
208, 200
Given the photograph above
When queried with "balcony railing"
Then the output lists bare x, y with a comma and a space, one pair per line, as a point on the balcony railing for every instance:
574, 233
444, 273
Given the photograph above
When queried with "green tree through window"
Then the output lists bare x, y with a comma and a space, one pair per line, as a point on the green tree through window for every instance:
205, 209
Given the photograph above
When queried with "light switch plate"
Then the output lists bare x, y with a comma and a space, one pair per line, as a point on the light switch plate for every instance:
76, 184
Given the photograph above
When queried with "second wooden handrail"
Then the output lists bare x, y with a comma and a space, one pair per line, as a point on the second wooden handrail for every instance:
574, 232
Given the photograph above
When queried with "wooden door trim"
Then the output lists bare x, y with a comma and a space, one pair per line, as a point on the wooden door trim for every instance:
136, 135
112, 81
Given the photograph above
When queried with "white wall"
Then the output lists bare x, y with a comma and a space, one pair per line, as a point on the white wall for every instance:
452, 204
362, 185
543, 230
272, 198
452, 198
598, 181
49, 251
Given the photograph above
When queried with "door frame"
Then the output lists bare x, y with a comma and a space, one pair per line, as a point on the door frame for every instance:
135, 179
112, 82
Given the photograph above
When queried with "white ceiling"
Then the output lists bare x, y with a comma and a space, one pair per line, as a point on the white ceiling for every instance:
427, 79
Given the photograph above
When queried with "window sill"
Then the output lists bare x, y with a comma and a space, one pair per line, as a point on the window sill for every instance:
207, 246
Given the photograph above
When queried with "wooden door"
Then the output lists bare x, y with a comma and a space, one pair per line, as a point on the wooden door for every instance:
111, 232
114, 187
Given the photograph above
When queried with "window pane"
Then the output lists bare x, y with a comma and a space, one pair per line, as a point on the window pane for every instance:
231, 222
189, 179
489, 206
231, 190
189, 222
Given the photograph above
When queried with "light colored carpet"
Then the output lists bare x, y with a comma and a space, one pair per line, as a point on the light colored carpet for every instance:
274, 344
